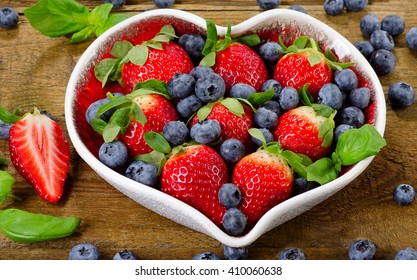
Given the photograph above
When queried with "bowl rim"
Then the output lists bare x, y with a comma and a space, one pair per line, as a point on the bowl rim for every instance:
264, 224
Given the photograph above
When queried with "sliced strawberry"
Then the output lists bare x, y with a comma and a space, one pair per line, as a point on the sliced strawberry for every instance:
194, 176
41, 154
265, 180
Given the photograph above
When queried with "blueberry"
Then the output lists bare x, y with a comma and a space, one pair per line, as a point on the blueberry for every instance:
288, 99
291, 254
406, 254
368, 24
181, 85
353, 116
393, 24
298, 8
331, 96
340, 129
188, 106
125, 255
5, 129
365, 47
268, 4
334, 7
84, 251
210, 87
234, 222
113, 154
267, 135
208, 256
301, 185
235, 253
404, 194
411, 38
8, 18
382, 40
361, 250
232, 150
271, 83
270, 52
383, 62
273, 106
193, 44
346, 79
142, 172
206, 131
229, 195
116, 3
265, 118
163, 3
355, 5
241, 90
93, 108
176, 132
360, 97
401, 95
201, 71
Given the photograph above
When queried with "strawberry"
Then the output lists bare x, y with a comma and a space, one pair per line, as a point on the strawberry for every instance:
41, 154
194, 174
159, 58
233, 59
158, 111
265, 180
235, 119
306, 130
304, 63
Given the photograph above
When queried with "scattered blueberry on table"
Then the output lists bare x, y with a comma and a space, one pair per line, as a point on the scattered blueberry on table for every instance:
9, 18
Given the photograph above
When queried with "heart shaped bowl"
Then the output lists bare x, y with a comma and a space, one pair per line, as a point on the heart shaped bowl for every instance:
83, 89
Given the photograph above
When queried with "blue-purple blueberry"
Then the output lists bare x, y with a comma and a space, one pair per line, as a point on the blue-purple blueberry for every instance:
292, 254
404, 194
360, 97
84, 251
181, 85
116, 3
9, 18
176, 132
268, 137
229, 195
365, 48
265, 118
235, 253
234, 221
125, 255
142, 172
206, 131
368, 24
193, 44
346, 79
188, 106
401, 95
163, 3
331, 96
268, 4
113, 154
232, 150
353, 116
241, 90
411, 38
383, 62
382, 40
406, 254
362, 250
289, 98
270, 52
206, 256
393, 24
271, 83
334, 7
356, 5
210, 87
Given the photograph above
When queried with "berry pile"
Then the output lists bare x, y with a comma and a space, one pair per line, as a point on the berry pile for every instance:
220, 123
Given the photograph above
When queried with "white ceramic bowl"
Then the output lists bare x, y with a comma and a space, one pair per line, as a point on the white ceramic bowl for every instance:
291, 24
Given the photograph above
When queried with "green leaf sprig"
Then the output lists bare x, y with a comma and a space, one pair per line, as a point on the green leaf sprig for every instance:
110, 69
305, 44
55, 18
23, 226
214, 45
125, 109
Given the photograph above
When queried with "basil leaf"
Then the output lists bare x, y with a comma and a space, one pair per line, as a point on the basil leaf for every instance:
6, 182
112, 20
357, 144
23, 226
322, 171
99, 15
82, 35
297, 162
55, 18
157, 142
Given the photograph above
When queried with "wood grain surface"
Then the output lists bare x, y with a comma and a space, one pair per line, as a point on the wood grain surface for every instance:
34, 71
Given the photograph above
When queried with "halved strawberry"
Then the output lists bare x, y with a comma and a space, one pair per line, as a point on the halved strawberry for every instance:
233, 59
194, 174
265, 180
41, 154
304, 63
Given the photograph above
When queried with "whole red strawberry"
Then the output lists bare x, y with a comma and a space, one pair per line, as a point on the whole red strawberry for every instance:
265, 180
234, 60
194, 175
306, 130
158, 111
41, 154
159, 58
233, 123
304, 63
161, 65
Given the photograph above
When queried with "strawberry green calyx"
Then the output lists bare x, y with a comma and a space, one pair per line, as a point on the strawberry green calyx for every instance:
10, 117
305, 44
214, 45
126, 109
109, 69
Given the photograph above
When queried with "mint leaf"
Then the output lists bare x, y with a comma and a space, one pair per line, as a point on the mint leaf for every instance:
357, 144
6, 182
157, 142
250, 40
138, 55
259, 98
257, 134
121, 49
209, 60
297, 161
154, 85
154, 157
234, 106
314, 58
205, 111
105, 69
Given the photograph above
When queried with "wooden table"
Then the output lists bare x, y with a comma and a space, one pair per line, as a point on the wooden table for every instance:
34, 71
